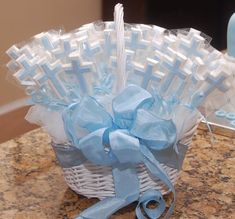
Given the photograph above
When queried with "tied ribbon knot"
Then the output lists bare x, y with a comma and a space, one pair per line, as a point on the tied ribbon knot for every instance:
123, 140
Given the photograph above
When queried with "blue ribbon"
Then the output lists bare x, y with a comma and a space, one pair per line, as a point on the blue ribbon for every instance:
123, 140
151, 195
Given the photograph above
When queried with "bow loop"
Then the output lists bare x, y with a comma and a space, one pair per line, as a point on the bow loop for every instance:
154, 132
89, 114
127, 102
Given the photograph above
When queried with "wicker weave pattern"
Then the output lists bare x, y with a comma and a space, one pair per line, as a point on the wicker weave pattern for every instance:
95, 181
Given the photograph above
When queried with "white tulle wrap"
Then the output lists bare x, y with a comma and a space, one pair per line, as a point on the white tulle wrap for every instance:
50, 120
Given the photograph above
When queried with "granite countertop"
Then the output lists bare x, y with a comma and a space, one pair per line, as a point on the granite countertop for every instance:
32, 184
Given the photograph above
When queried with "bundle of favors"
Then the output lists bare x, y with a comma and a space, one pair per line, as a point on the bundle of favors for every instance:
179, 67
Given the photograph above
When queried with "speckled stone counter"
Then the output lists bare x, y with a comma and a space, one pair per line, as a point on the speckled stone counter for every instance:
32, 185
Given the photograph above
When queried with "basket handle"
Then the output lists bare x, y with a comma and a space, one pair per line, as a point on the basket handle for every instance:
120, 42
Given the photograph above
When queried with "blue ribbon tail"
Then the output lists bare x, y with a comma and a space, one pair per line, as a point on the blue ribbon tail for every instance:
125, 194
103, 209
157, 171
144, 201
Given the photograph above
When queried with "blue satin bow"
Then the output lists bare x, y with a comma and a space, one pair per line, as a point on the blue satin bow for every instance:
123, 140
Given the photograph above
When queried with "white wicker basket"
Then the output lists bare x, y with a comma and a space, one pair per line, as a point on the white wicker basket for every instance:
95, 181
